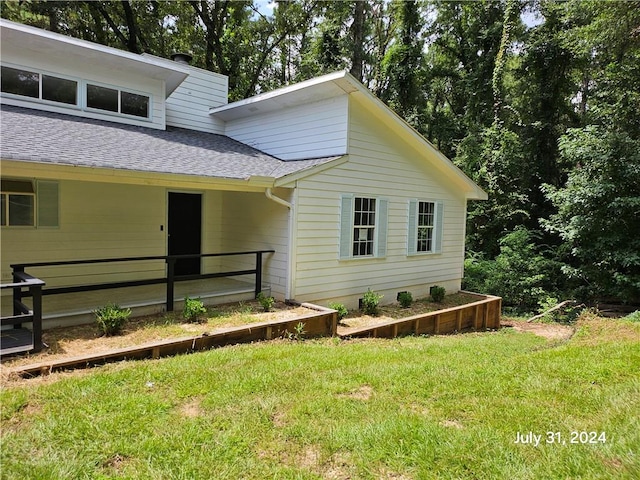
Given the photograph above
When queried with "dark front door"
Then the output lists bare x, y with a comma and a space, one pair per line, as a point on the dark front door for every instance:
185, 230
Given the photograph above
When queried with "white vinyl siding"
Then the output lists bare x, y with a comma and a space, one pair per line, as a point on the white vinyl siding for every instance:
378, 166
252, 222
425, 227
188, 106
308, 131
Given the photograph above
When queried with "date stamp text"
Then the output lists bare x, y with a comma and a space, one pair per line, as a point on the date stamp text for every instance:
560, 438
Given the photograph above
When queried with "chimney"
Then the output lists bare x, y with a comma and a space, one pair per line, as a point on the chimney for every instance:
181, 57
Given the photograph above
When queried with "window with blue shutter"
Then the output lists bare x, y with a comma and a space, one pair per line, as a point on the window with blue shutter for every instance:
425, 227
363, 227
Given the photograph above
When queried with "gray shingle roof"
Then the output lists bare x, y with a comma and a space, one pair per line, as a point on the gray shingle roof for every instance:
45, 137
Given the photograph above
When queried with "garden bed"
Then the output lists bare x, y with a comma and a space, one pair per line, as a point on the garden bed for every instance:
166, 334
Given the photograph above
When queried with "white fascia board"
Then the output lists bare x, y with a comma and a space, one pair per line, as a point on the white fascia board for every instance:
31, 38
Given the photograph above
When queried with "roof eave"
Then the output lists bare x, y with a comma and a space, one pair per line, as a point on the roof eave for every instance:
172, 73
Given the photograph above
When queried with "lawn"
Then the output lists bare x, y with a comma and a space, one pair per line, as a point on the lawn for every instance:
410, 408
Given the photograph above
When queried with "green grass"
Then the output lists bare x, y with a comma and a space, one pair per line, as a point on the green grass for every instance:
415, 407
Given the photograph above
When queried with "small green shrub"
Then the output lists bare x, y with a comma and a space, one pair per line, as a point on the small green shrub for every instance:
437, 293
266, 302
340, 308
111, 318
370, 302
405, 299
298, 332
193, 309
633, 317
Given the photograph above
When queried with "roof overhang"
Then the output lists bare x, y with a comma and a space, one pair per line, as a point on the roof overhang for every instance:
310, 91
24, 38
16, 168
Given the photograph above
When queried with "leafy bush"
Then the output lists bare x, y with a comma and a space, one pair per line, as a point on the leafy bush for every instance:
437, 293
633, 317
340, 308
370, 302
520, 274
405, 299
266, 302
193, 309
111, 318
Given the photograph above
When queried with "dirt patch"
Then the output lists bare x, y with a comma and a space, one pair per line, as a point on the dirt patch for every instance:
191, 409
452, 424
363, 393
550, 331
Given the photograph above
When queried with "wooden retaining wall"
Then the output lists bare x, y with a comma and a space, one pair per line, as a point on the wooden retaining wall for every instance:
481, 315
323, 323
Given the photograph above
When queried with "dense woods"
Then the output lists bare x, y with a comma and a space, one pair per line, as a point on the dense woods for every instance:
537, 101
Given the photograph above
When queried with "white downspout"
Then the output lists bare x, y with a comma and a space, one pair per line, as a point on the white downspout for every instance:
280, 201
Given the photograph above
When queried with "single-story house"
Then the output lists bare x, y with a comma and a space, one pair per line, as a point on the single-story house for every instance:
109, 154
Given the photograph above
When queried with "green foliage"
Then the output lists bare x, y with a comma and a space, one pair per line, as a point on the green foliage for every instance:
297, 334
520, 274
193, 309
370, 302
340, 308
633, 317
111, 318
405, 299
598, 212
437, 293
266, 302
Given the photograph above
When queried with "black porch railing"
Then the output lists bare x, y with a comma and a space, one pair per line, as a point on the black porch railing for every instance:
170, 279
18, 339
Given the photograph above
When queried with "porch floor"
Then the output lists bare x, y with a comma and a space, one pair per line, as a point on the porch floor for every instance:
76, 308
16, 340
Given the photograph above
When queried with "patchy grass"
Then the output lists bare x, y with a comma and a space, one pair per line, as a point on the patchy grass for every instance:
408, 408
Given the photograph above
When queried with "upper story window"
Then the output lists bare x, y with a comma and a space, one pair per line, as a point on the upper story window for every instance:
52, 88
40, 86
118, 101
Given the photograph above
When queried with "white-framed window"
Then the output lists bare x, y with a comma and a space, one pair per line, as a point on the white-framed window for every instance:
50, 88
363, 227
116, 100
425, 227
39, 85
27, 203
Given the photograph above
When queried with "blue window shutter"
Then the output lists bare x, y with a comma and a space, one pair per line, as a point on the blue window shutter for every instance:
48, 209
438, 227
383, 214
412, 234
346, 226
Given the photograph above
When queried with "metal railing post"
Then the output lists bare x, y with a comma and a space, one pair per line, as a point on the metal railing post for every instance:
17, 293
258, 273
171, 266
36, 294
